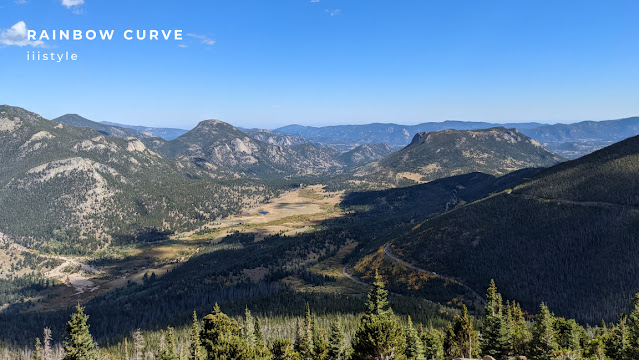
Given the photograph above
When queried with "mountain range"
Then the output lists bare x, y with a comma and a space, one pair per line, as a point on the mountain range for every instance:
222, 150
394, 135
164, 133
471, 205
568, 140
74, 190
120, 130
578, 139
221, 147
86, 184
567, 237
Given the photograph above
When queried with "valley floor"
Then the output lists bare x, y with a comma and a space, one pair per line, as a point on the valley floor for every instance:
80, 279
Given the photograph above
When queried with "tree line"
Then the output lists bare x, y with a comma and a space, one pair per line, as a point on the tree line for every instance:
503, 332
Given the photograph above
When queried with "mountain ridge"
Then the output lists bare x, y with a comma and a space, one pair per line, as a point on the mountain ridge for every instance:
85, 190
433, 155
164, 133
569, 140
563, 237
105, 129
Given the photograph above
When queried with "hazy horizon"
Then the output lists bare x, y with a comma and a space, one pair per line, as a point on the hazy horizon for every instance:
331, 124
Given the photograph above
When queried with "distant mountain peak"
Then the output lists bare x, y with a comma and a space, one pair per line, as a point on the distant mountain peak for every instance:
71, 179
495, 151
512, 136
214, 122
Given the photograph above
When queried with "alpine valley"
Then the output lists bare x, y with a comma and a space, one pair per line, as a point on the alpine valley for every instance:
281, 234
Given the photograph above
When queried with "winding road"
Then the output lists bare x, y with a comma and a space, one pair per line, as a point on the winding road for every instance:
388, 254
392, 257
577, 203
352, 278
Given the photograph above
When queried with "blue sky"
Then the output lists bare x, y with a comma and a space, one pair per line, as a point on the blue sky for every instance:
261, 63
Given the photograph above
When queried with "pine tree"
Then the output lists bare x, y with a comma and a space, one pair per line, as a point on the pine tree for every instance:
377, 297
544, 339
196, 352
47, 351
414, 346
304, 337
138, 344
37, 353
466, 337
336, 342
261, 350
495, 341
282, 350
248, 329
569, 335
617, 345
126, 348
596, 348
170, 348
79, 344
633, 329
303, 341
519, 335
433, 343
451, 349
320, 343
222, 337
379, 335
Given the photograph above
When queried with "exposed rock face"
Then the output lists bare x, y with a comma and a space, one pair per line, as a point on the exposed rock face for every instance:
134, 145
233, 152
510, 136
9, 125
495, 151
273, 138
84, 189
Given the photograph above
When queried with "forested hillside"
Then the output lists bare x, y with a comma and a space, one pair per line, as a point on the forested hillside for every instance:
104, 129
73, 190
568, 140
268, 273
164, 133
567, 237
375, 332
120, 130
347, 137
436, 155
364, 154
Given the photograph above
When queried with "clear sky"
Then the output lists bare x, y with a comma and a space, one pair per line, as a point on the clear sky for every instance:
267, 63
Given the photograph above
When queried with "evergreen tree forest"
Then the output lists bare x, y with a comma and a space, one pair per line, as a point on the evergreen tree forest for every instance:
502, 332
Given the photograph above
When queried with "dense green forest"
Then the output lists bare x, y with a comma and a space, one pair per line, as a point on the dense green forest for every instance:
70, 190
553, 238
376, 332
217, 273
